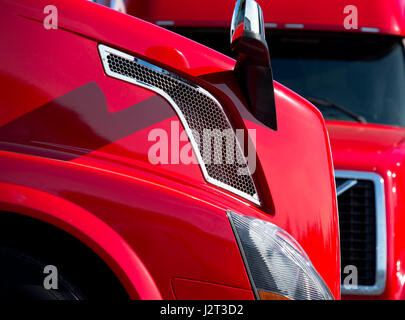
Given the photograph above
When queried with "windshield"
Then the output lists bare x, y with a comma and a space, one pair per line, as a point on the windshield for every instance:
349, 77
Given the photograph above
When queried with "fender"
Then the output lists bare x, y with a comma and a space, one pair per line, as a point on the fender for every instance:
86, 227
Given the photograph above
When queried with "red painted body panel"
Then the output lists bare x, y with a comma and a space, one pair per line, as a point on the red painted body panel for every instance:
388, 16
197, 290
82, 137
369, 148
95, 233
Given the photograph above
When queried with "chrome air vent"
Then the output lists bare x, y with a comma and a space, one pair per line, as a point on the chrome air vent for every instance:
362, 229
198, 111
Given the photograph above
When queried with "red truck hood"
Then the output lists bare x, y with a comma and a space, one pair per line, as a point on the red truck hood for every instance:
357, 145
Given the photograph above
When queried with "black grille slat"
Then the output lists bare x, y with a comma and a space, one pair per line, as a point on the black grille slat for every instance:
357, 218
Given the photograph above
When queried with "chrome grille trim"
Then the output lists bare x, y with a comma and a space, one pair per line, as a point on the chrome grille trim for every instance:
345, 186
381, 232
219, 179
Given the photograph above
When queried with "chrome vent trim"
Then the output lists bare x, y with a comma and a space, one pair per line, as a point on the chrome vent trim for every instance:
381, 232
195, 108
345, 186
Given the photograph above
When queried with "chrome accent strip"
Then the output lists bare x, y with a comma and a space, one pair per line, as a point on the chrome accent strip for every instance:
105, 51
381, 232
369, 29
270, 25
345, 186
165, 23
294, 26
118, 5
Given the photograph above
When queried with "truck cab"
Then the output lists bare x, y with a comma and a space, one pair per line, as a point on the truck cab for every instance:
106, 176
348, 60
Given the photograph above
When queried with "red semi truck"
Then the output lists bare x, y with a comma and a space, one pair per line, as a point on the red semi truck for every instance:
104, 178
347, 58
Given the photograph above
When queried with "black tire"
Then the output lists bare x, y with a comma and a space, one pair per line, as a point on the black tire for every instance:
22, 277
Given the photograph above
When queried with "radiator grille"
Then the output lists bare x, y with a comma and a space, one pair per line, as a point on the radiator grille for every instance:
357, 217
200, 114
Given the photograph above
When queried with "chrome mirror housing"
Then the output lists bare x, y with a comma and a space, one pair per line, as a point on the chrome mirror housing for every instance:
119, 5
247, 31
253, 69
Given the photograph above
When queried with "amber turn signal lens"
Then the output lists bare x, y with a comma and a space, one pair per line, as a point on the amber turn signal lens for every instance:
264, 295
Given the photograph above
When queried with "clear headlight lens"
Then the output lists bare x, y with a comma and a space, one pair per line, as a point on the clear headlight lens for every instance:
277, 265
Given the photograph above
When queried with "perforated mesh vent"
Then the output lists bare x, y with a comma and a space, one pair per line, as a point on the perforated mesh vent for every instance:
201, 116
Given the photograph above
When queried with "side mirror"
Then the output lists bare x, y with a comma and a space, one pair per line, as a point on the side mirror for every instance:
247, 32
253, 68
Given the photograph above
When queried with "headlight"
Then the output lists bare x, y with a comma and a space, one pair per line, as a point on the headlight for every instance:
276, 264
